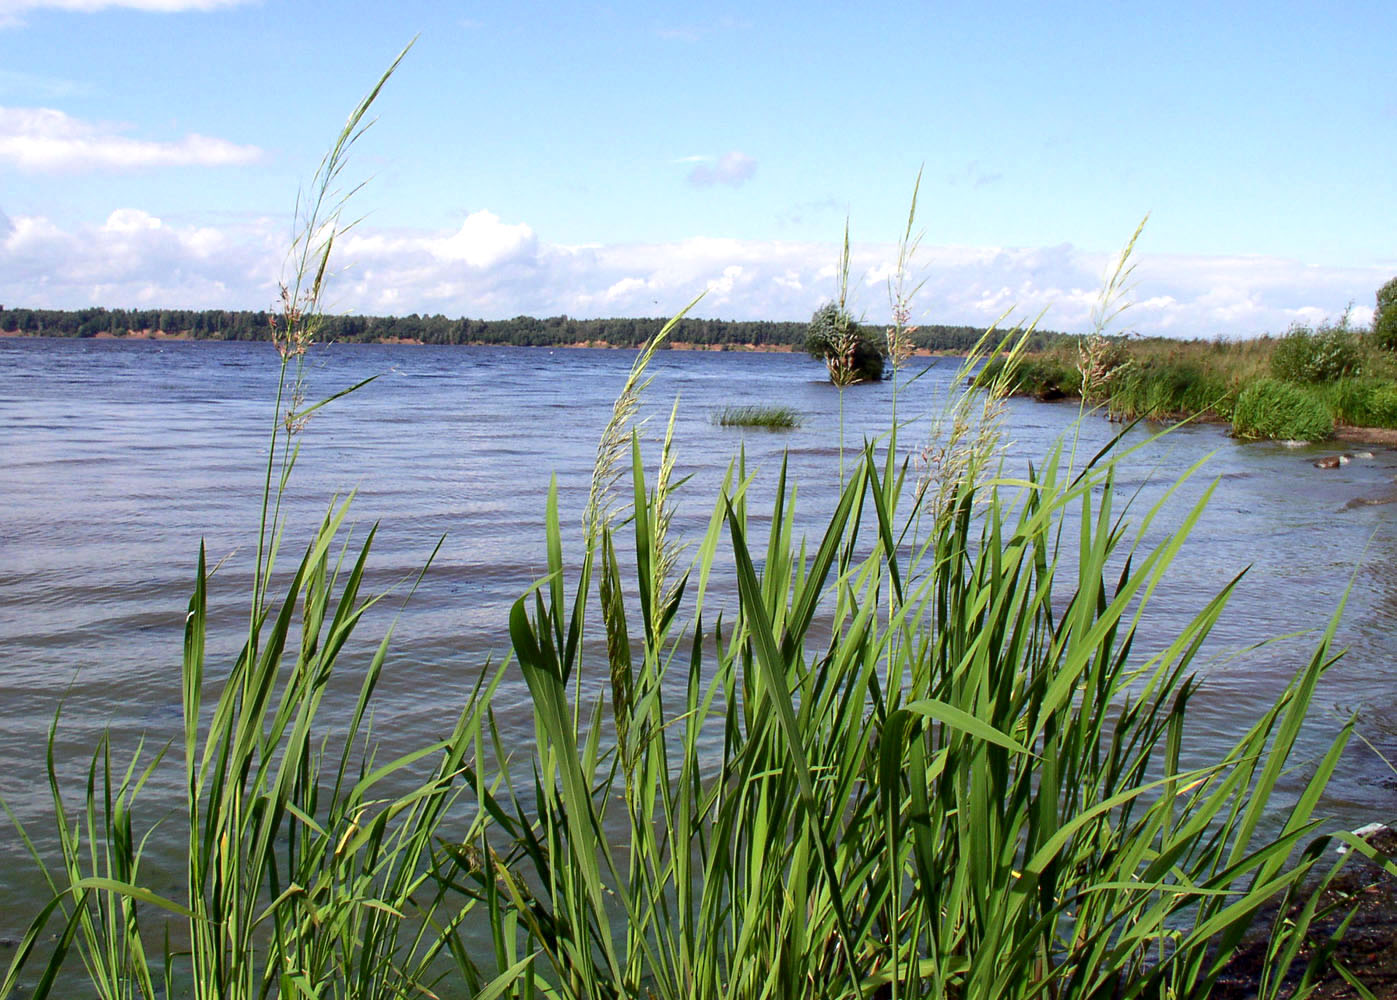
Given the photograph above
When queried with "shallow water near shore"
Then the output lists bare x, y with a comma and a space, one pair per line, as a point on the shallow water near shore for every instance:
119, 457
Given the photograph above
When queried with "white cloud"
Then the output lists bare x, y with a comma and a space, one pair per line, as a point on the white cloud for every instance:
496, 269
133, 257
733, 169
131, 220
483, 241
625, 288
12, 11
720, 289
45, 139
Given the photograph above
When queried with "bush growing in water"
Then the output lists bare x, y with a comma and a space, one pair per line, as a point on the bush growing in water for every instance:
1270, 408
1320, 355
836, 338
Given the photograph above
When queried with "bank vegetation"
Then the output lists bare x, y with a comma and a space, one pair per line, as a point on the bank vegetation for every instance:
1301, 385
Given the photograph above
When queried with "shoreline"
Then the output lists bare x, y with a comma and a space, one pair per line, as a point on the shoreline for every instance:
594, 345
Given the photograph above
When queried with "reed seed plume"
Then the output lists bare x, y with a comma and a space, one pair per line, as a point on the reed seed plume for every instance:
319, 223
902, 290
967, 436
603, 503
1100, 357
842, 359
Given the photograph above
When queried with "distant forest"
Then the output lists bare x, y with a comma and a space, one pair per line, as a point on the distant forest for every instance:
522, 331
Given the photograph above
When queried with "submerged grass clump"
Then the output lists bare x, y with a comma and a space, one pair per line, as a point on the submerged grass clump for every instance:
775, 418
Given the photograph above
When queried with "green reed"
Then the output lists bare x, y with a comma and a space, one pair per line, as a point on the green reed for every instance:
308, 858
972, 787
920, 754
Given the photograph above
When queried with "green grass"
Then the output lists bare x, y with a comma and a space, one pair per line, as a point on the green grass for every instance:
1362, 402
972, 789
919, 753
1169, 389
776, 418
1270, 408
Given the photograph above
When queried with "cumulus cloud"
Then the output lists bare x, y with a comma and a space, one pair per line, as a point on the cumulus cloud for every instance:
733, 169
492, 268
12, 11
483, 242
45, 139
135, 258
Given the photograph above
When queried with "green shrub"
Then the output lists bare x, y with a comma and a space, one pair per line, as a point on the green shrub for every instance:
1270, 408
1365, 402
1383, 407
1385, 317
1321, 355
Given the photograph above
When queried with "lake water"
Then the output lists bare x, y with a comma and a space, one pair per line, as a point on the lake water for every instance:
118, 458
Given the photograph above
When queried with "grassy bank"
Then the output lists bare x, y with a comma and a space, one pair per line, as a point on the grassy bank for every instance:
1299, 386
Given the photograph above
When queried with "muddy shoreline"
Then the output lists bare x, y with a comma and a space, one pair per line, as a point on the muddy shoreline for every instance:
1367, 950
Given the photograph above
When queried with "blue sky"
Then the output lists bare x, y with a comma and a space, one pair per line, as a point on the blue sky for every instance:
618, 159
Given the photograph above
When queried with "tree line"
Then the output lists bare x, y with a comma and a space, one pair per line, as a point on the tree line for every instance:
521, 331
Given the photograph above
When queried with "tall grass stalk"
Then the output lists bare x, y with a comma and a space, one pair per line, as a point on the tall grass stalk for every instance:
967, 435
902, 290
